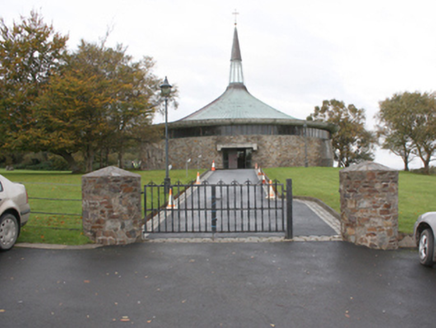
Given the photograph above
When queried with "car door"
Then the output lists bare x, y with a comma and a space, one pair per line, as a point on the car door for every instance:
2, 197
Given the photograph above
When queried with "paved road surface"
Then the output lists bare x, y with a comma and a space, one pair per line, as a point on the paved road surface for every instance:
287, 284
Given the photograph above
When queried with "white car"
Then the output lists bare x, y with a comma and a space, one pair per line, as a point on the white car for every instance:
14, 211
424, 232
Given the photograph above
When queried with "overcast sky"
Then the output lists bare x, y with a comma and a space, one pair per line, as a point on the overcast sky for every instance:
295, 54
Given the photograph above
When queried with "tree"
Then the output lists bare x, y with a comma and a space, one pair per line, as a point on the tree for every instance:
30, 52
70, 116
352, 143
97, 101
409, 126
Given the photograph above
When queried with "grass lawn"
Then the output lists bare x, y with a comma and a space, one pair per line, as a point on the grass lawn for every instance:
415, 194
66, 229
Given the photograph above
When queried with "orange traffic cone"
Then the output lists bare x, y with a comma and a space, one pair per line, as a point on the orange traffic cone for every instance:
259, 171
263, 178
255, 166
171, 200
213, 165
271, 193
198, 178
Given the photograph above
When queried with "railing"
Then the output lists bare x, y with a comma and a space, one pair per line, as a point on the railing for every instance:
54, 212
215, 208
57, 200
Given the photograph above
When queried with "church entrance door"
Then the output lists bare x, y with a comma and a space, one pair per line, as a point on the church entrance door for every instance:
239, 158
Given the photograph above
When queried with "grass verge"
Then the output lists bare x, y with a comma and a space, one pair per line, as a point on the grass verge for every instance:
66, 229
415, 197
415, 191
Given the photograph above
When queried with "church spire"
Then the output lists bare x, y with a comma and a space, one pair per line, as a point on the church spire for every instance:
236, 75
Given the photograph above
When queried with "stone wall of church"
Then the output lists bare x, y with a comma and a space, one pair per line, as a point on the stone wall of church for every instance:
272, 151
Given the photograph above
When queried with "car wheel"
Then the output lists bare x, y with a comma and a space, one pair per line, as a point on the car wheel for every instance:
426, 247
9, 230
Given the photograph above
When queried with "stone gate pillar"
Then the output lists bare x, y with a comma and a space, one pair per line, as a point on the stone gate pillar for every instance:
369, 205
111, 206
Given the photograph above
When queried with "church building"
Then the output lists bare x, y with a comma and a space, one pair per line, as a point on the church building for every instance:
237, 130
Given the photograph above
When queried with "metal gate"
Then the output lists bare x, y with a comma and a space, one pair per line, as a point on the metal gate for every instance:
218, 208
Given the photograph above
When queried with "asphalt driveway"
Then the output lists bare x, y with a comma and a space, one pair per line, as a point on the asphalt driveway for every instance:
285, 284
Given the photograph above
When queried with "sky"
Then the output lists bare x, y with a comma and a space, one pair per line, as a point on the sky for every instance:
295, 54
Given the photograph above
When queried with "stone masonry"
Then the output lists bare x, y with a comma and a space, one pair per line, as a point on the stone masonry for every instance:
111, 205
369, 205
272, 151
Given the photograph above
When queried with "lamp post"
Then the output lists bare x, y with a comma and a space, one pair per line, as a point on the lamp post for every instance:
198, 162
187, 164
165, 89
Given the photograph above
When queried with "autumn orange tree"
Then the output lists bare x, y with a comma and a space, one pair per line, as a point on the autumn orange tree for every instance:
99, 98
70, 115
93, 99
30, 53
352, 143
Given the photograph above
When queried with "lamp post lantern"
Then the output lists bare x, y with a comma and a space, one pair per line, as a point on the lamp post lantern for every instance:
165, 89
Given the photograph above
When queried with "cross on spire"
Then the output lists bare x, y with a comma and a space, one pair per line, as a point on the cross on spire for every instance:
235, 13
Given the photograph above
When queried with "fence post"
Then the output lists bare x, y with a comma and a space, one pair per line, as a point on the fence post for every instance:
289, 217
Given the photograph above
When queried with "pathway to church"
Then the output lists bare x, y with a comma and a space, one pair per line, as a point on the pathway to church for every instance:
310, 220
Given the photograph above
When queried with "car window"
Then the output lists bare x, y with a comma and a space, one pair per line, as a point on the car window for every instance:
1, 187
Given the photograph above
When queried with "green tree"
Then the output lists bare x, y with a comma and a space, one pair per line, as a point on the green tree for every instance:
30, 52
352, 143
409, 126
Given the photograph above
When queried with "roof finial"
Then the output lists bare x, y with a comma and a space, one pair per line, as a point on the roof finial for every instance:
235, 13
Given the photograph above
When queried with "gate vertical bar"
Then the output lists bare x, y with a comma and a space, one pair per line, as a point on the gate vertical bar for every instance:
186, 205
241, 203
228, 208
255, 207
178, 206
192, 209
158, 206
276, 205
145, 210
261, 207
248, 205
199, 206
289, 218
221, 208
213, 216
234, 206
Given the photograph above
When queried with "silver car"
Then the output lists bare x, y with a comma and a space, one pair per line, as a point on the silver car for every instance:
425, 228
14, 211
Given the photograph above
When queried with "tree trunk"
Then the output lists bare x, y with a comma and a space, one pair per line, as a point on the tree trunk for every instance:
406, 163
120, 155
427, 167
70, 160
89, 159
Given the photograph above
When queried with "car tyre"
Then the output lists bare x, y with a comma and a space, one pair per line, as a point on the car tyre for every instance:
426, 247
9, 230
